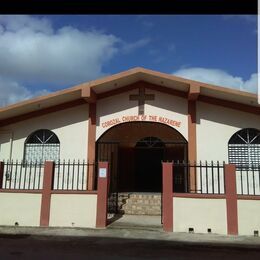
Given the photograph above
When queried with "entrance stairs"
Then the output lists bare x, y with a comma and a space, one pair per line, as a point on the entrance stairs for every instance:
139, 203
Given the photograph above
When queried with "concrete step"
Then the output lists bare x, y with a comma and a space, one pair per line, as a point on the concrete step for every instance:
139, 203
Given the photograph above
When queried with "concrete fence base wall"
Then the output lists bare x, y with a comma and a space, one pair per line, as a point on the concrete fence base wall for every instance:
199, 214
66, 210
73, 210
248, 216
21, 208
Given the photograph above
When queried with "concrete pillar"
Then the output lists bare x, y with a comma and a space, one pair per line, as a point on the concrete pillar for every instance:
167, 196
46, 193
102, 194
231, 199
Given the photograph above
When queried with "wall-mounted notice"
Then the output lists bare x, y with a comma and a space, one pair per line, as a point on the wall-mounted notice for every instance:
102, 173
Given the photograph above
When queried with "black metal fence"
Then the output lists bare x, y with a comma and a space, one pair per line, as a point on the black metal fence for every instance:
23, 176
248, 180
71, 175
202, 177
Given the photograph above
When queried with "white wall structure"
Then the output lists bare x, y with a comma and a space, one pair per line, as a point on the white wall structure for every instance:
248, 216
114, 108
23, 208
199, 214
70, 125
6, 139
215, 126
73, 210
165, 108
169, 107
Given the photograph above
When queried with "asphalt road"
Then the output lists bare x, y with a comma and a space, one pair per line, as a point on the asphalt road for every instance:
47, 248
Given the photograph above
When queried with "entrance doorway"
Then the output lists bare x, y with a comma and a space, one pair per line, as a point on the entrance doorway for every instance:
135, 151
149, 153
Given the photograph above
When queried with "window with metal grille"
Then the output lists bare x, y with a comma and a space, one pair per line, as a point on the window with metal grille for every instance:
244, 148
150, 142
42, 145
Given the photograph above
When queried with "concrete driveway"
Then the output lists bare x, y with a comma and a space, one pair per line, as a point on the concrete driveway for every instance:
47, 247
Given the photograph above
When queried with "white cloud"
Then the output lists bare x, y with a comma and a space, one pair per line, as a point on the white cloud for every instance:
23, 22
11, 92
129, 47
32, 51
219, 77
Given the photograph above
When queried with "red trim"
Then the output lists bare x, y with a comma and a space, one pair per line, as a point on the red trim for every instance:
192, 139
89, 95
167, 198
103, 186
42, 112
91, 145
194, 92
199, 196
84, 192
143, 84
164, 89
230, 104
231, 199
46, 193
20, 191
72, 192
248, 197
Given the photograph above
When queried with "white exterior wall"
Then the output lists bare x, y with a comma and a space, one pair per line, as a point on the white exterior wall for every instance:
69, 210
70, 125
248, 216
215, 126
164, 105
169, 106
199, 214
21, 208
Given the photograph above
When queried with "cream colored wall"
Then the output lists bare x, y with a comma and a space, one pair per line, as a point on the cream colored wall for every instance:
169, 106
69, 210
164, 105
248, 216
20, 207
215, 126
70, 125
199, 214
6, 140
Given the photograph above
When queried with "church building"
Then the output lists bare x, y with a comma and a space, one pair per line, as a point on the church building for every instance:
140, 135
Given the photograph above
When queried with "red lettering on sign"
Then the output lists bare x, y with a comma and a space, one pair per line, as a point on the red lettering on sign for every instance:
150, 118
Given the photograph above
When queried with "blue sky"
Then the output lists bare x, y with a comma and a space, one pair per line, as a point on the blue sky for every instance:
41, 54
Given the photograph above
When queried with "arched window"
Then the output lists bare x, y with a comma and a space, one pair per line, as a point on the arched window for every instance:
244, 147
42, 145
150, 142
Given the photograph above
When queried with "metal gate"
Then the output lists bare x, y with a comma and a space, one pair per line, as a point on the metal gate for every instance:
108, 151
178, 153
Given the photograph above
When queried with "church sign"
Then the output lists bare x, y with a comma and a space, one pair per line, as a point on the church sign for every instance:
148, 118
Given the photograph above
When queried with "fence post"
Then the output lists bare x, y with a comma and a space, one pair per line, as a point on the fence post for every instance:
1, 174
167, 190
46, 193
231, 199
102, 194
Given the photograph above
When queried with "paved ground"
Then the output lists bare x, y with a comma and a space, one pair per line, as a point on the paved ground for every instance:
135, 220
121, 243
127, 237
80, 247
